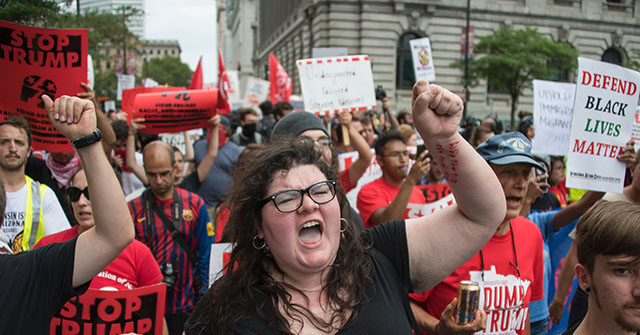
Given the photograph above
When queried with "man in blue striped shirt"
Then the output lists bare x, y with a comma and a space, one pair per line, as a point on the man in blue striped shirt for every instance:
164, 208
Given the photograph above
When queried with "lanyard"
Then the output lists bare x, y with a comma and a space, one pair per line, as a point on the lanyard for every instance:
515, 255
175, 206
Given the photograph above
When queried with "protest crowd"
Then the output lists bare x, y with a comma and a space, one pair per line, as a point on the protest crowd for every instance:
357, 221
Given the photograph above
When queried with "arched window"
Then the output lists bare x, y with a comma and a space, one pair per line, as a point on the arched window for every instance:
405, 77
612, 56
558, 73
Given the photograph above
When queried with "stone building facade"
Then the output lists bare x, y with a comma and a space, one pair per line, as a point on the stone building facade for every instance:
598, 29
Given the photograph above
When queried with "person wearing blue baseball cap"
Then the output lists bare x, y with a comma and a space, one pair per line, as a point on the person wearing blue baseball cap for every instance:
509, 268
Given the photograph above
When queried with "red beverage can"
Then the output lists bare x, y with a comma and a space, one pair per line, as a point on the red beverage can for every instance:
468, 300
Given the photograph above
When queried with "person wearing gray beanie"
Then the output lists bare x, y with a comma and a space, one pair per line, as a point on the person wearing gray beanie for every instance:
297, 123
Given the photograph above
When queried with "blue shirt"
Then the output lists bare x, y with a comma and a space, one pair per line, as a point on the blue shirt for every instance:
539, 310
215, 186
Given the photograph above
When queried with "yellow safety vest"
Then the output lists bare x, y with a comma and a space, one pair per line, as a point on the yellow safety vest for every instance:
33, 231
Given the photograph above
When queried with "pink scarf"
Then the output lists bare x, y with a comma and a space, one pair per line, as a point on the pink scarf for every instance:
60, 172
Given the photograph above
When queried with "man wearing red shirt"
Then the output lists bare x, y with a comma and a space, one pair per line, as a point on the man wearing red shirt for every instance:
509, 268
393, 196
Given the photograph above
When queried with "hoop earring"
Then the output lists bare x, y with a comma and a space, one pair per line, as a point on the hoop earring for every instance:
342, 230
588, 289
261, 246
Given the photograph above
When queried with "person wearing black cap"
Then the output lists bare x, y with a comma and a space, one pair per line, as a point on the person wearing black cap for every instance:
509, 268
309, 126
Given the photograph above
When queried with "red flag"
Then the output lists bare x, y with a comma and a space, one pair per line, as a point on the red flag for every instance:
196, 79
223, 87
280, 89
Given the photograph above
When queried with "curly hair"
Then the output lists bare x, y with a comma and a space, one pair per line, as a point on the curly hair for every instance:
248, 278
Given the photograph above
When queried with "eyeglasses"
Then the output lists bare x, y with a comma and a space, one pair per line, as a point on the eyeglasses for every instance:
74, 193
287, 201
397, 154
323, 143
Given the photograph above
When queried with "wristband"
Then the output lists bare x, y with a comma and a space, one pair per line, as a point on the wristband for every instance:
84, 141
435, 331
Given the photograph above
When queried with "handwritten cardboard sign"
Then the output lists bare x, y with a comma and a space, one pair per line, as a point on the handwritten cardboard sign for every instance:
139, 310
334, 84
552, 111
257, 91
36, 61
603, 115
422, 59
175, 111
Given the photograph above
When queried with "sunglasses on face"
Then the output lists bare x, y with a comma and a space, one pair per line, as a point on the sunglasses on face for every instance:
74, 193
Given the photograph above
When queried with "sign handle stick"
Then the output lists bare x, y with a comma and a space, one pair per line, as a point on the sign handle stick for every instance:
345, 135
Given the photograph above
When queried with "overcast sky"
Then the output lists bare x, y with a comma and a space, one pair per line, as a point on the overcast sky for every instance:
193, 24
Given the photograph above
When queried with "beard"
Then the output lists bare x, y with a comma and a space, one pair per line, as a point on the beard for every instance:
13, 166
619, 318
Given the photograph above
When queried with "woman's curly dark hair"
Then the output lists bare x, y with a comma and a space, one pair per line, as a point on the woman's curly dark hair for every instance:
248, 280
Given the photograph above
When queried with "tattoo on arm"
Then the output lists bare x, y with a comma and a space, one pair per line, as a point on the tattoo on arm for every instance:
448, 160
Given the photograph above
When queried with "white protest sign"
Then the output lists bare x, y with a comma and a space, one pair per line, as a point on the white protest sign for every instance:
174, 140
603, 115
125, 82
109, 105
220, 255
256, 92
422, 59
90, 73
635, 131
335, 84
552, 110
234, 87
419, 210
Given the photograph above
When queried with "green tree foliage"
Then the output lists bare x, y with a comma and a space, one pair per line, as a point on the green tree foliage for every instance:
510, 60
168, 70
633, 62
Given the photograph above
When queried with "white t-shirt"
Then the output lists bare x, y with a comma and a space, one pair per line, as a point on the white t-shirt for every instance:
52, 214
130, 182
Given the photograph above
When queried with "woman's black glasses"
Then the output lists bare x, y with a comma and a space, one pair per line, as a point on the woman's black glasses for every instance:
290, 200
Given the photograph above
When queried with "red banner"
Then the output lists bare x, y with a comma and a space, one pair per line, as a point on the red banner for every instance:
128, 96
118, 64
196, 79
137, 311
35, 61
223, 87
172, 112
280, 89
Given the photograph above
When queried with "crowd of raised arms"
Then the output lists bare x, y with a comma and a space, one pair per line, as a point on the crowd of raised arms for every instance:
374, 244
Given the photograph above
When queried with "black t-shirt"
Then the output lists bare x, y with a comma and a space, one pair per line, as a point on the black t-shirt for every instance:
546, 202
387, 311
190, 182
35, 285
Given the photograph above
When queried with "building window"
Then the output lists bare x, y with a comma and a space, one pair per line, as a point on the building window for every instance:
405, 77
612, 56
173, 52
108, 65
166, 52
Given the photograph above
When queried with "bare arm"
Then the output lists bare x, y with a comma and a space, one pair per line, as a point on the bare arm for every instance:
108, 135
96, 248
188, 147
575, 209
397, 207
439, 243
212, 150
131, 161
386, 107
556, 308
359, 167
